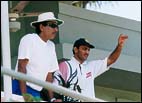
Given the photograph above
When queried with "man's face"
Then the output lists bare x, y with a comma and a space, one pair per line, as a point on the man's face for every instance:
82, 53
50, 30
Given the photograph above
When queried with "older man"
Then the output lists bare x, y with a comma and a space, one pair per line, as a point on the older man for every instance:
36, 55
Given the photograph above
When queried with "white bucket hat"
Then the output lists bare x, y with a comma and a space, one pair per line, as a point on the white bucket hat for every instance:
48, 16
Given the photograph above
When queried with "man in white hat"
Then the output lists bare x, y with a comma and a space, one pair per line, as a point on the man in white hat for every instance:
36, 55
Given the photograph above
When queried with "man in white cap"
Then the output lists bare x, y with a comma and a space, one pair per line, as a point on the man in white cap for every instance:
36, 55
78, 74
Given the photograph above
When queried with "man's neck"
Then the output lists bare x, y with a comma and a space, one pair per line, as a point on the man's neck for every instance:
43, 38
79, 60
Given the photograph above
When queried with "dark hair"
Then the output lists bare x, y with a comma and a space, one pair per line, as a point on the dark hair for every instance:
73, 49
37, 28
82, 41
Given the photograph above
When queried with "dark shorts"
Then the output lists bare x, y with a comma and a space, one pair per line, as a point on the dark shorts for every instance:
16, 89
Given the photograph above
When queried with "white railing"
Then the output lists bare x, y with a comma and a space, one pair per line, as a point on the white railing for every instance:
5, 45
49, 86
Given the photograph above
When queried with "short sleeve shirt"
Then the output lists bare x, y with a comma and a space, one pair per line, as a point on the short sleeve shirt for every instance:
81, 75
41, 55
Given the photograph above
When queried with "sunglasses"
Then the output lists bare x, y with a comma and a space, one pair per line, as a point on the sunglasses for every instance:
53, 25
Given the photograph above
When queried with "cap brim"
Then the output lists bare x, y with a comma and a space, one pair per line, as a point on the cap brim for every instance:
90, 46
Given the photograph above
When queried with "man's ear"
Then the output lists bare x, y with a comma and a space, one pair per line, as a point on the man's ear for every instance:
41, 27
75, 50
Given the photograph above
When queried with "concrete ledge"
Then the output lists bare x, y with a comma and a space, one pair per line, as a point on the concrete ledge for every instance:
110, 94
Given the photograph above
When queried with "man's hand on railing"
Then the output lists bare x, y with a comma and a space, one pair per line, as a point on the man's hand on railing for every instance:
56, 100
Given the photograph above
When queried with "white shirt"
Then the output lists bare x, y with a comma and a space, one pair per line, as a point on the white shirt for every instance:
85, 74
41, 55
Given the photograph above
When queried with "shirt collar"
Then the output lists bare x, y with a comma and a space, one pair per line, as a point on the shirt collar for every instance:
77, 62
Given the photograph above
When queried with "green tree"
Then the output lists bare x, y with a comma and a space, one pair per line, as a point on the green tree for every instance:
83, 4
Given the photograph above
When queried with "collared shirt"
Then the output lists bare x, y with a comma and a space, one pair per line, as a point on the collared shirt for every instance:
81, 76
41, 55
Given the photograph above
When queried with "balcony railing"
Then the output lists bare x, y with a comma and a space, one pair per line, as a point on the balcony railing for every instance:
48, 85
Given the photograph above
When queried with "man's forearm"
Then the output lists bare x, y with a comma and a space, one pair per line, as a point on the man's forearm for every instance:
50, 79
22, 69
22, 86
114, 55
22, 83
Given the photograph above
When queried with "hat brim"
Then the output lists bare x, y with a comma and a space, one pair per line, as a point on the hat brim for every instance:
90, 46
59, 22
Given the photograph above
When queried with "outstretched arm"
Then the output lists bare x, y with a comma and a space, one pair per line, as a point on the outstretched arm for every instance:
116, 53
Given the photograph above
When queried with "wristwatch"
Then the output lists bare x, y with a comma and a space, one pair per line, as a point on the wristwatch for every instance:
51, 100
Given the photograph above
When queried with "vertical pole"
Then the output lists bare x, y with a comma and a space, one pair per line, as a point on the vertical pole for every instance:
6, 58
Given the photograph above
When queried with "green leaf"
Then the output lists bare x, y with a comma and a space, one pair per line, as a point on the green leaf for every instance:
28, 97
